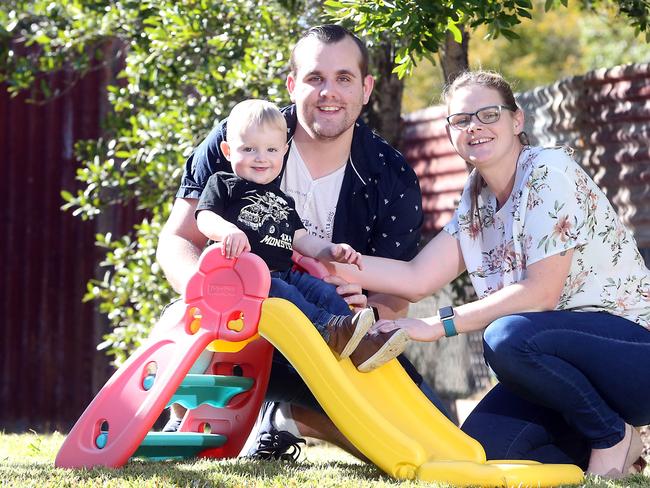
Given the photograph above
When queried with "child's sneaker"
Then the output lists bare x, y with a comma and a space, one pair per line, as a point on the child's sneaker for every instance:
378, 348
345, 332
172, 425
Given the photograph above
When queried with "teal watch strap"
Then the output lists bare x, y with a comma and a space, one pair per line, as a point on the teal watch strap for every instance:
450, 328
446, 315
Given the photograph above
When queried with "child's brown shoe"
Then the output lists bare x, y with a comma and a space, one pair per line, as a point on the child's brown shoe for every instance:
378, 348
346, 332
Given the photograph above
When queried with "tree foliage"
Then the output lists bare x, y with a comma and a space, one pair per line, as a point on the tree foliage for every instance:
553, 44
422, 25
178, 67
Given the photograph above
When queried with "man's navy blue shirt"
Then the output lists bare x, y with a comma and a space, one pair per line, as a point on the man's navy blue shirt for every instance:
379, 210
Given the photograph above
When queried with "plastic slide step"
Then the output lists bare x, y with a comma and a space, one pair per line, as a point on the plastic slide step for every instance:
213, 390
177, 445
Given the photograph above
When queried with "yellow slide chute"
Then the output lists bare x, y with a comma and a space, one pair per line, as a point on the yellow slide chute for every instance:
389, 420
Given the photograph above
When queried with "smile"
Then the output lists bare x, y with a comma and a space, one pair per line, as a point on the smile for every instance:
329, 109
482, 140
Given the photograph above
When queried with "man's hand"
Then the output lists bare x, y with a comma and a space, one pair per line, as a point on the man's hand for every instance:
344, 253
234, 243
351, 292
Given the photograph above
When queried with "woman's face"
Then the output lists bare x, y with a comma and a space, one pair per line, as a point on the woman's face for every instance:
488, 143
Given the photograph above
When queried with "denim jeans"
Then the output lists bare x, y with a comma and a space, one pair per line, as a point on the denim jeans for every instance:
315, 298
569, 381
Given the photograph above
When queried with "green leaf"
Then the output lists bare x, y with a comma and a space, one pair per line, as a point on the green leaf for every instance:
524, 13
456, 32
508, 34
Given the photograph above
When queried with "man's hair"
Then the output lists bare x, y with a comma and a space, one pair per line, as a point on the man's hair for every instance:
331, 34
254, 112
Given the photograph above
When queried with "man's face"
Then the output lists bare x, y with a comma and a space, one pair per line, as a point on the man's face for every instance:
328, 88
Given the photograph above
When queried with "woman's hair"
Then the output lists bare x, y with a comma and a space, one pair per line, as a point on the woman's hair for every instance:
254, 112
496, 82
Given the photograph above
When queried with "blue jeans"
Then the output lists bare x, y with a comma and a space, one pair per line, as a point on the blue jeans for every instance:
315, 298
569, 381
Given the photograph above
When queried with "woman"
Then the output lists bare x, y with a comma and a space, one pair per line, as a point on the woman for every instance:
563, 293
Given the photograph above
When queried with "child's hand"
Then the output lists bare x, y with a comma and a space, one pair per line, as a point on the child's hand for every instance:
234, 243
344, 253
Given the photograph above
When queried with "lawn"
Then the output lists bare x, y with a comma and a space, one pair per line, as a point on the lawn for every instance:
27, 460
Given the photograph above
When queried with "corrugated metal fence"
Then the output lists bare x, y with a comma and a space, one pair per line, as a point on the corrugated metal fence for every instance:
605, 116
50, 367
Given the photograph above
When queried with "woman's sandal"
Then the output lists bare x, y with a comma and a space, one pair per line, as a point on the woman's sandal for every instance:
634, 461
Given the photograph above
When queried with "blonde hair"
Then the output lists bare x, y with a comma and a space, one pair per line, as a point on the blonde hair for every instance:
495, 81
254, 112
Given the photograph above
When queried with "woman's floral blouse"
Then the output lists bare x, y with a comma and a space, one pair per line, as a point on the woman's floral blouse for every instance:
554, 206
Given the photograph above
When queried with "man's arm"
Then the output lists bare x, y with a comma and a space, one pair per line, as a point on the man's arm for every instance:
180, 244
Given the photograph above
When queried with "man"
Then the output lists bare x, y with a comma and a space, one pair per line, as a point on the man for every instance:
349, 186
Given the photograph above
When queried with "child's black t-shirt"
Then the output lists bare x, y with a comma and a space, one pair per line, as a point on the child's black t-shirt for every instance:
263, 212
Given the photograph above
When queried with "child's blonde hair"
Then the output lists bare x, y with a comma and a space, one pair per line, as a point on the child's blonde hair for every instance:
254, 112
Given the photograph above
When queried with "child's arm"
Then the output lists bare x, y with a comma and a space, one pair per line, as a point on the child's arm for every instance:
232, 238
315, 247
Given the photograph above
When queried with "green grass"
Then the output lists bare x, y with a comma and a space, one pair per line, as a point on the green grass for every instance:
27, 460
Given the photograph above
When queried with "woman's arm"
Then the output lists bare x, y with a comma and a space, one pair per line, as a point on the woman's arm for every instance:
435, 266
539, 291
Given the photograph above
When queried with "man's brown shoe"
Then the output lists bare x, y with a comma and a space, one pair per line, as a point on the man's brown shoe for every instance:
378, 348
347, 331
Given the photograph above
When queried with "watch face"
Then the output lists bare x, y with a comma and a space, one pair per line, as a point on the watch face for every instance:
446, 312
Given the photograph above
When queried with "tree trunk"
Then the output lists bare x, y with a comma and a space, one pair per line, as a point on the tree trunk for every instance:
385, 107
453, 56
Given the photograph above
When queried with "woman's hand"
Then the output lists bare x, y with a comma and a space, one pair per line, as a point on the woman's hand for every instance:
418, 330
350, 292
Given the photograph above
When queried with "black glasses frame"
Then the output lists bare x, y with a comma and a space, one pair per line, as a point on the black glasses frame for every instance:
476, 114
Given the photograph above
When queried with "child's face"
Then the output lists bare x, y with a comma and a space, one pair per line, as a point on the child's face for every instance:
256, 154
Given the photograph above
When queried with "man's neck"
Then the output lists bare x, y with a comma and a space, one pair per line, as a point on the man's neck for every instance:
323, 156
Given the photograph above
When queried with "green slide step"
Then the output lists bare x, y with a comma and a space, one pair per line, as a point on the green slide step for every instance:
214, 390
177, 445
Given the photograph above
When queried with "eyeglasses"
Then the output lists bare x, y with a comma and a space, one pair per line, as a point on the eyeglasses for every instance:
486, 115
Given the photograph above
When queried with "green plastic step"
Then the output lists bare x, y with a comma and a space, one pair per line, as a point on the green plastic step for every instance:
176, 445
214, 390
